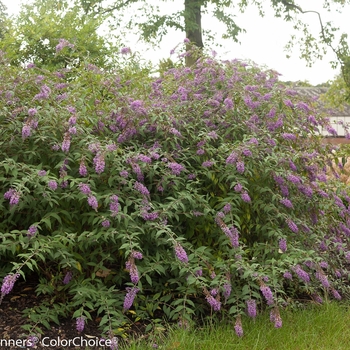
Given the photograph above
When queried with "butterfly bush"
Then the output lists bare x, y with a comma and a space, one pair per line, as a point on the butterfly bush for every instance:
176, 194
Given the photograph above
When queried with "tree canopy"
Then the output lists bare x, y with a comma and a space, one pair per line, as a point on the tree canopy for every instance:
152, 24
52, 33
3, 15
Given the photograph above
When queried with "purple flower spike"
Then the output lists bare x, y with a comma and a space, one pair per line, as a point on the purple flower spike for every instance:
227, 290
129, 297
207, 164
317, 298
66, 143
227, 208
323, 279
336, 294
105, 223
176, 168
80, 323
134, 274
52, 185
114, 205
247, 152
240, 167
228, 103
232, 158
141, 188
267, 293
67, 277
7, 284
287, 203
181, 254
245, 197
32, 231
125, 50
82, 169
282, 244
92, 201
215, 304
26, 131
238, 187
293, 227
99, 163
287, 275
84, 188
238, 327
14, 200
8, 194
251, 308
303, 275
137, 255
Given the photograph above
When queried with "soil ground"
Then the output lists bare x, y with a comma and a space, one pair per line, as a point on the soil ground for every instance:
23, 296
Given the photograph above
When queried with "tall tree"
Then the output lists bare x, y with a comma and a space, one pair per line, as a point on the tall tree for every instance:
3, 16
50, 33
152, 24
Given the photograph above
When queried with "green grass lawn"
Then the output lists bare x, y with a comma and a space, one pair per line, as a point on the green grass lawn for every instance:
325, 327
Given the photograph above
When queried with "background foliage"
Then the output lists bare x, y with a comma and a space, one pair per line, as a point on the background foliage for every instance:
36, 36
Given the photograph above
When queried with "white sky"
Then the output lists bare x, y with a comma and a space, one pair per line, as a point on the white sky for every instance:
263, 42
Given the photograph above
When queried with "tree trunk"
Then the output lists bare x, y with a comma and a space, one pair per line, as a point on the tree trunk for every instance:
193, 28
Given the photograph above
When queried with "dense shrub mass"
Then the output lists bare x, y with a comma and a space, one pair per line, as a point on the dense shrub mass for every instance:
201, 190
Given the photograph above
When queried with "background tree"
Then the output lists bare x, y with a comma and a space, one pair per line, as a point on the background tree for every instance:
44, 29
152, 24
3, 16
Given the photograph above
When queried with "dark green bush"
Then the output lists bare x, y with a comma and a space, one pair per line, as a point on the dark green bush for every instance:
131, 196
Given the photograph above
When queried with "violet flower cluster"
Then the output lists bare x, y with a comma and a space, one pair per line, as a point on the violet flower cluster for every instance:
251, 308
267, 293
141, 188
32, 230
82, 169
133, 271
114, 205
303, 275
275, 317
99, 163
282, 244
129, 297
68, 277
7, 284
181, 253
176, 168
213, 302
238, 327
227, 290
52, 184
80, 323
13, 196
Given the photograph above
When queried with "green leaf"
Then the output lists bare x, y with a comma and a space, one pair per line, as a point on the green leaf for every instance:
149, 279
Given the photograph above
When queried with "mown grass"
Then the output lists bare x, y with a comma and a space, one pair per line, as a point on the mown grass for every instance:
325, 327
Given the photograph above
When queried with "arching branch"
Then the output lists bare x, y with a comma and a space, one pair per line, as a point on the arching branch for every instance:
340, 58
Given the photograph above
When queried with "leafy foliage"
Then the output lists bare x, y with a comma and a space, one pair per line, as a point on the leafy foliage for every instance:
36, 36
151, 21
338, 93
132, 196
3, 16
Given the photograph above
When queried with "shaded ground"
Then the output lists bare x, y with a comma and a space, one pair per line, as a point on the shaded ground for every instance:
23, 296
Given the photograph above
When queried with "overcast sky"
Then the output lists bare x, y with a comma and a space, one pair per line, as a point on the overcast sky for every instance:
263, 43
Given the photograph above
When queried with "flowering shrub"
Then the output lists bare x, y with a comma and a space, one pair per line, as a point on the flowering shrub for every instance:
201, 189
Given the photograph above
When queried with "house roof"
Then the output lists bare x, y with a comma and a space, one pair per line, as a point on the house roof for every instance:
336, 116
315, 93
